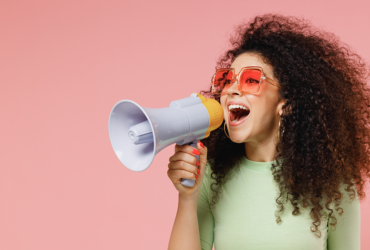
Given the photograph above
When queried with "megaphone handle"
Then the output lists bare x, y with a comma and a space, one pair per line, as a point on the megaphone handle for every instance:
190, 182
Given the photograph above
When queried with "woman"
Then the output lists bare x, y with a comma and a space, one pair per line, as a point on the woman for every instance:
287, 168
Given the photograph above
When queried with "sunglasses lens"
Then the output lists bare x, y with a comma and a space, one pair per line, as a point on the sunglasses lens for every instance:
250, 80
222, 81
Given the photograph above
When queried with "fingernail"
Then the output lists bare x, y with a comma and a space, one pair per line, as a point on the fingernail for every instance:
201, 144
198, 171
197, 163
196, 176
196, 152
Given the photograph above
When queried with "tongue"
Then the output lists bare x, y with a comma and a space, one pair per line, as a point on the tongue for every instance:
237, 115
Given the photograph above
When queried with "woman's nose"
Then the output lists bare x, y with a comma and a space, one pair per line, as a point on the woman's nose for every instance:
233, 88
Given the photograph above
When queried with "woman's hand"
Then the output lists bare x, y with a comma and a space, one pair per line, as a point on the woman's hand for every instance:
183, 164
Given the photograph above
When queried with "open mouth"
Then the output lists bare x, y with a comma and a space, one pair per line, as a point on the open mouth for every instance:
238, 114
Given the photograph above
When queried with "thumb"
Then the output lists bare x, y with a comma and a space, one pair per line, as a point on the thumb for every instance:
202, 157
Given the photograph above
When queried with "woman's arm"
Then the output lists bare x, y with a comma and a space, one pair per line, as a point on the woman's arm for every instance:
205, 216
185, 231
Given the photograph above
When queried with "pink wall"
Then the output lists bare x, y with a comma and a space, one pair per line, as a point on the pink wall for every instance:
64, 64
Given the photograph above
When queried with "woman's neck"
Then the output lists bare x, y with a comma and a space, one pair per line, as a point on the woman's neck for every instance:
262, 151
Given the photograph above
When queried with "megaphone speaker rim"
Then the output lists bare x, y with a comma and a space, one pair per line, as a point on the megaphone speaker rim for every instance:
114, 142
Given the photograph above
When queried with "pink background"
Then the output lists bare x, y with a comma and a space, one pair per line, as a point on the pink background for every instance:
64, 64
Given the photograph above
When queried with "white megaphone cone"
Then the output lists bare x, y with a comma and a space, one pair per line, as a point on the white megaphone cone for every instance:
137, 134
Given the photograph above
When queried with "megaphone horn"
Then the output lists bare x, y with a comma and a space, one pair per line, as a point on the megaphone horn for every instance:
137, 134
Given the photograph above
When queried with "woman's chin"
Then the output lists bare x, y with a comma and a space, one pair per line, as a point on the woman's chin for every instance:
236, 138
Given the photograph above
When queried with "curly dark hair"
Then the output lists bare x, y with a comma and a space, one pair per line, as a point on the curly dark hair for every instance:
325, 138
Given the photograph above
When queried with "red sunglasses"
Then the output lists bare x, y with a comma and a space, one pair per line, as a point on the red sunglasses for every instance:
248, 80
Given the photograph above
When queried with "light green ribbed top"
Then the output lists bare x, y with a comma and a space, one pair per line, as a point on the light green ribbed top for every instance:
244, 216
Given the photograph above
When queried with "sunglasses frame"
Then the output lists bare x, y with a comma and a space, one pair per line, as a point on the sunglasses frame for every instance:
237, 78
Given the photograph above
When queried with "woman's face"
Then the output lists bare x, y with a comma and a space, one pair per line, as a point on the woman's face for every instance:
262, 121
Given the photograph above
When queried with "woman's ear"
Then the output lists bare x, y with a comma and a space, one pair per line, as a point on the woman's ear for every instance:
280, 107
289, 109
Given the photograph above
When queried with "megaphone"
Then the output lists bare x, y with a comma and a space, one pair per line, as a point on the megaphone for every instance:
137, 134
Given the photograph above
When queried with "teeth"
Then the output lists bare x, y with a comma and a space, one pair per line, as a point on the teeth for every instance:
234, 106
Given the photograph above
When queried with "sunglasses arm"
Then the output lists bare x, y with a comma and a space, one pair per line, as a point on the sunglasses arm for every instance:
271, 82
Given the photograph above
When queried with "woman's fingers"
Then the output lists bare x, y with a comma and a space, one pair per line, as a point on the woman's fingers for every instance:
185, 153
183, 165
176, 175
202, 157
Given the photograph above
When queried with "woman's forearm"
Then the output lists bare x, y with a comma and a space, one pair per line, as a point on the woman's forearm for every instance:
185, 231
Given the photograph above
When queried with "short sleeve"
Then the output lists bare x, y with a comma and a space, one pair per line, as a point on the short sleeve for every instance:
205, 216
347, 233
